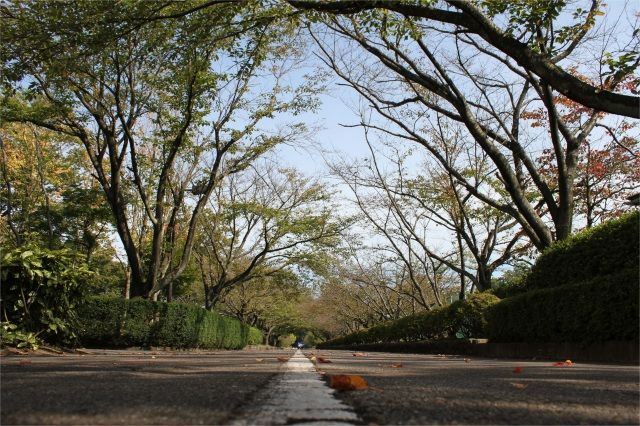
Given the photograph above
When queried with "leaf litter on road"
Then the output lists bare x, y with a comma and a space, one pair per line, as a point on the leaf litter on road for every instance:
519, 386
347, 382
567, 363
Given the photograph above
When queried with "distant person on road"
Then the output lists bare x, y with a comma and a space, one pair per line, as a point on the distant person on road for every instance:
299, 344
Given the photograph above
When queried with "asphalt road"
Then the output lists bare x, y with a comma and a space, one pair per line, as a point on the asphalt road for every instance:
428, 389
134, 387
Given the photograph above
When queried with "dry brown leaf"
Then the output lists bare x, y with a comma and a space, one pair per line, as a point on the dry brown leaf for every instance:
398, 365
359, 354
347, 382
259, 359
312, 359
24, 362
324, 360
283, 359
517, 370
467, 360
519, 386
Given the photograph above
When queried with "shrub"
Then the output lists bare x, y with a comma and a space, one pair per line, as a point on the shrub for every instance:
40, 291
601, 309
465, 318
116, 322
286, 340
255, 336
599, 251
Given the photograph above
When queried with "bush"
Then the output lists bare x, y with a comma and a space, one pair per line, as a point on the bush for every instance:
116, 322
286, 341
599, 251
464, 318
598, 310
255, 336
40, 291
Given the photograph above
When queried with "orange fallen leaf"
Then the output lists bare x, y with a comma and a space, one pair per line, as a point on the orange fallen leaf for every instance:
567, 363
323, 359
24, 362
519, 386
313, 359
359, 354
517, 370
347, 382
398, 365
283, 359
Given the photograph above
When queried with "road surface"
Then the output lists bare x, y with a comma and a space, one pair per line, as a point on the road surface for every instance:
258, 387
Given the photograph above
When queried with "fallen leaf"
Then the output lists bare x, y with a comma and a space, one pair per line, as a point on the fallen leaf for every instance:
283, 359
398, 365
259, 359
24, 362
517, 370
567, 363
312, 359
323, 359
347, 382
153, 357
467, 360
359, 354
519, 386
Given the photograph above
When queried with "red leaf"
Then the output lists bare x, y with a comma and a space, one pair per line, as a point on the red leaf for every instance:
517, 370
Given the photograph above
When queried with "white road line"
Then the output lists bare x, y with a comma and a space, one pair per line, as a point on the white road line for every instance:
298, 396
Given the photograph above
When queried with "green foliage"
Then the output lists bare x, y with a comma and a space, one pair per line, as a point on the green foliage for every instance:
464, 318
286, 341
601, 309
596, 252
11, 335
510, 283
255, 336
40, 292
113, 322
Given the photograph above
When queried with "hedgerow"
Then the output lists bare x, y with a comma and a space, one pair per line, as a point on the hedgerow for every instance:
465, 318
596, 252
112, 322
601, 309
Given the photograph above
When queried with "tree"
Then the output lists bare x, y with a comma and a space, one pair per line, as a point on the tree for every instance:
272, 304
412, 211
527, 24
262, 223
419, 79
165, 108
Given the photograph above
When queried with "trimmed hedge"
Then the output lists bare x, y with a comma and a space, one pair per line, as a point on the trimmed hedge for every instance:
599, 251
463, 318
114, 322
255, 336
598, 310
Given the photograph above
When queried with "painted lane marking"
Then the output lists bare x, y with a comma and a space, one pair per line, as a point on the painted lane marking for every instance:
298, 396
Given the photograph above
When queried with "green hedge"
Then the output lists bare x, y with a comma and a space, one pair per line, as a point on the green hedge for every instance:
116, 322
599, 251
460, 319
598, 310
255, 337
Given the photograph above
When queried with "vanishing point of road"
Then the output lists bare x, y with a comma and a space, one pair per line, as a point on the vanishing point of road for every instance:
284, 387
